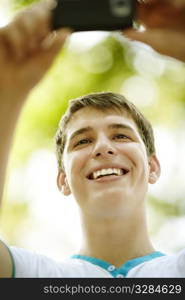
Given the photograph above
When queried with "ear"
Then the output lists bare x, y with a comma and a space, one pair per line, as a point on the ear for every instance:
154, 169
62, 183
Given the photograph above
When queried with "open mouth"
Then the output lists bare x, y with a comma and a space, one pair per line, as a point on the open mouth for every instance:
107, 172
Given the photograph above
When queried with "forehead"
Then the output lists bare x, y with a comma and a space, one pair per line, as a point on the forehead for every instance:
97, 119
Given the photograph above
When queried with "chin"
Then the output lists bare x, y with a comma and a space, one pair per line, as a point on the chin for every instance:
112, 204
113, 195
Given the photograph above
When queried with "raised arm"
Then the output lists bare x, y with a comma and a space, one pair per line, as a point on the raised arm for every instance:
164, 21
27, 50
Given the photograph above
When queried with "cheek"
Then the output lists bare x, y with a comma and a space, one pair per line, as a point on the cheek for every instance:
131, 151
142, 164
74, 164
136, 155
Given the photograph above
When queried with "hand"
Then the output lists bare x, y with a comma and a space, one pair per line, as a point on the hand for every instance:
27, 49
164, 21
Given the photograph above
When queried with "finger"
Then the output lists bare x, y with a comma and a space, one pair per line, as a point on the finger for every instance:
161, 41
13, 42
34, 20
29, 27
161, 14
55, 41
50, 4
45, 9
46, 55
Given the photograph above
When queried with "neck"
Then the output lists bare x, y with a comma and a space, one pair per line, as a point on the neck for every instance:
115, 240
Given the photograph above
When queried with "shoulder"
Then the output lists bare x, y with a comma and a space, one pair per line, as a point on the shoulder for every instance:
165, 266
6, 268
28, 263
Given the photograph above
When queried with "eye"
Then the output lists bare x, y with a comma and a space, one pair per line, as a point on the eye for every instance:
82, 142
121, 136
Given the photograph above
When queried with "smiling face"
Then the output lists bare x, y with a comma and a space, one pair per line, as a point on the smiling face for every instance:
106, 166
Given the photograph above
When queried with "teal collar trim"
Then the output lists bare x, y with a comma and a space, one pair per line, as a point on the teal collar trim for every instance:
125, 268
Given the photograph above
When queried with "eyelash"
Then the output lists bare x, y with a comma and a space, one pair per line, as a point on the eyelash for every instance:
123, 135
80, 142
89, 140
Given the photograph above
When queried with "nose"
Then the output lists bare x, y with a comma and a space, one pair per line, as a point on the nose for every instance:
103, 153
103, 148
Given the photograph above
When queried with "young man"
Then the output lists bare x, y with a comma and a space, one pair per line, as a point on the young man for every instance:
107, 165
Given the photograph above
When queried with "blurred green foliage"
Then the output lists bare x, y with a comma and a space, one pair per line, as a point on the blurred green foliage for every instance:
68, 78
16, 213
76, 73
17, 4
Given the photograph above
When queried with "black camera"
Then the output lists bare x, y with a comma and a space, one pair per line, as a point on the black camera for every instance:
85, 15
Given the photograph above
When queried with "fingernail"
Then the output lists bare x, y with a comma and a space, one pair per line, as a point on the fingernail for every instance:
48, 42
63, 34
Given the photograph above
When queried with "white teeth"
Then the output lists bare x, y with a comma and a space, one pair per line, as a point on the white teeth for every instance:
120, 172
98, 173
103, 172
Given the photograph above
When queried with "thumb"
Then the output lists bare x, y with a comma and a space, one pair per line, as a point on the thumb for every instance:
44, 57
55, 40
51, 46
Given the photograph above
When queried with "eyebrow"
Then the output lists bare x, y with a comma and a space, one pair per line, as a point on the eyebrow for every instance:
120, 125
111, 126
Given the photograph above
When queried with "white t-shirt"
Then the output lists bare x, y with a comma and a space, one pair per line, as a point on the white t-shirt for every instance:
30, 264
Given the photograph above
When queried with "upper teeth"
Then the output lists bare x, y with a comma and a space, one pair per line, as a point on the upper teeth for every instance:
107, 171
